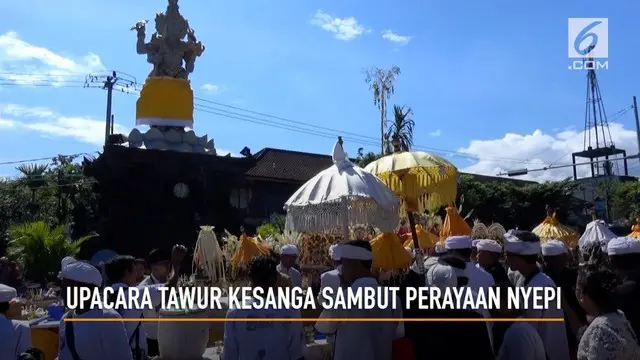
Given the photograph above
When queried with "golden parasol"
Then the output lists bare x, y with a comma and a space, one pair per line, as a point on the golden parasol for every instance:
454, 224
249, 248
635, 230
551, 229
388, 252
425, 238
423, 181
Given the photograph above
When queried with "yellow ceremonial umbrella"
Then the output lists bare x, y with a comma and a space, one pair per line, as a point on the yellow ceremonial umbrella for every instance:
248, 249
551, 229
422, 180
388, 252
425, 238
635, 230
454, 224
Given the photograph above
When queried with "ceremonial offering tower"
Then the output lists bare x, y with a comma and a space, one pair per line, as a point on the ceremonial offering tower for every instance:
166, 99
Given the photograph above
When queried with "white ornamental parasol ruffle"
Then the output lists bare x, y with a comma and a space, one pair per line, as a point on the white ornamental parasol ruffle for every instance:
342, 195
596, 232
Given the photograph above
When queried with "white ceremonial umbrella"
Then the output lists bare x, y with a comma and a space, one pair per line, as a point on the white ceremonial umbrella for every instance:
342, 195
596, 232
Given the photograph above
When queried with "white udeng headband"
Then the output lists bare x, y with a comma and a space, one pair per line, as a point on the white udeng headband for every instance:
522, 247
353, 252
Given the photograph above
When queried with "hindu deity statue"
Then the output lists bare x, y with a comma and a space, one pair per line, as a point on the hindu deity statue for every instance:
168, 51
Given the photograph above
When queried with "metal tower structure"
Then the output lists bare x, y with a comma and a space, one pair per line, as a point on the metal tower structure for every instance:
597, 136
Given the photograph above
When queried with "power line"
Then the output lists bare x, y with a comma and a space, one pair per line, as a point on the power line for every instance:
131, 88
43, 159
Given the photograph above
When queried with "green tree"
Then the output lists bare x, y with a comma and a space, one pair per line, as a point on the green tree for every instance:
39, 248
625, 199
402, 127
382, 85
364, 159
33, 176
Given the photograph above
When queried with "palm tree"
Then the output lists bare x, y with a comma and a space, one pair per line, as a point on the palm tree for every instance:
40, 248
33, 177
402, 127
382, 85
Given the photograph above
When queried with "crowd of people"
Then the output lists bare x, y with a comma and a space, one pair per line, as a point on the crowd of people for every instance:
599, 306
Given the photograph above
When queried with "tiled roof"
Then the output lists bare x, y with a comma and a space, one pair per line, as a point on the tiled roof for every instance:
299, 166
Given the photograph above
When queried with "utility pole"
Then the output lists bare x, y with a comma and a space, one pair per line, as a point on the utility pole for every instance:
108, 85
635, 110
120, 82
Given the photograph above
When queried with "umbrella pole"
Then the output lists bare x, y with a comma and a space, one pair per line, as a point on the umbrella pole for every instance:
416, 242
345, 221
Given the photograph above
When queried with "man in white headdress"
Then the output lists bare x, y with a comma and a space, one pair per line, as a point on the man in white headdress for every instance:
331, 278
89, 340
15, 335
624, 255
288, 257
460, 247
450, 272
522, 249
359, 340
488, 259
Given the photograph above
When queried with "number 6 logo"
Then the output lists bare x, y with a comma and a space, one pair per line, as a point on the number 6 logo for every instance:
584, 35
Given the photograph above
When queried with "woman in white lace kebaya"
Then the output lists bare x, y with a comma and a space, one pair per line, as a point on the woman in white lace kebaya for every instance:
609, 336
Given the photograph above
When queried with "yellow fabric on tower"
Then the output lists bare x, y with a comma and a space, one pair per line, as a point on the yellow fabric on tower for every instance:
635, 231
249, 248
165, 101
388, 253
454, 224
551, 229
425, 238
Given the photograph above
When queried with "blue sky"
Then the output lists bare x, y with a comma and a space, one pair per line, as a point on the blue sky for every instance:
487, 80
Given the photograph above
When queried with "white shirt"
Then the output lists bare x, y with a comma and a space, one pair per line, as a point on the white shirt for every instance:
16, 338
553, 334
150, 327
522, 342
478, 278
96, 340
296, 278
355, 340
131, 326
263, 340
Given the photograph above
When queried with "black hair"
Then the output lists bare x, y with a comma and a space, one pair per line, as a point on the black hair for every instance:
466, 253
463, 280
117, 267
452, 261
142, 262
599, 284
4, 307
263, 271
626, 262
365, 245
158, 255
526, 236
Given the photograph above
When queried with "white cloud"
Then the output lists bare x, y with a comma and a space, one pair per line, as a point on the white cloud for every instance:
537, 150
48, 123
396, 38
435, 133
343, 28
210, 88
27, 64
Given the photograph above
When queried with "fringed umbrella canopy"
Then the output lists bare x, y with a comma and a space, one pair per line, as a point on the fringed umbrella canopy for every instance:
422, 180
388, 253
551, 229
340, 196
425, 238
249, 248
454, 224
596, 232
